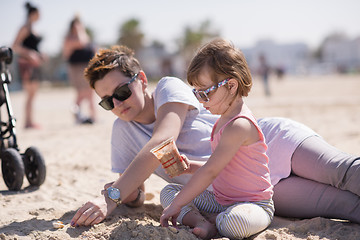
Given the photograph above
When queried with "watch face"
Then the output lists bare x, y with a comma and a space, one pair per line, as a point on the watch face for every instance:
114, 193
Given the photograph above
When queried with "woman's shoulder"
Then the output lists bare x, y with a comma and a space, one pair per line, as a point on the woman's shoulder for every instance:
171, 81
171, 85
24, 31
173, 89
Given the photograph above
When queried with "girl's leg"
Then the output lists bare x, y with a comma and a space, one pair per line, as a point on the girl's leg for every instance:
243, 220
303, 198
317, 160
190, 215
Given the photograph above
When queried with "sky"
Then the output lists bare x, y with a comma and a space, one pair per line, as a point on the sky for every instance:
242, 22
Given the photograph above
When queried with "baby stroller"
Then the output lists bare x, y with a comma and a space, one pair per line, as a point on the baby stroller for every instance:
15, 165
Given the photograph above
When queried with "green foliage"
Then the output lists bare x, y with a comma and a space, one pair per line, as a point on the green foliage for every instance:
131, 35
193, 38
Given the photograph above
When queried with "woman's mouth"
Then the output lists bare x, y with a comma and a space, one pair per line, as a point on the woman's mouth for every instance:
123, 112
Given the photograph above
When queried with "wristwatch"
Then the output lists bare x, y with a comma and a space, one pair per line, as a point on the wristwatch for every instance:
114, 194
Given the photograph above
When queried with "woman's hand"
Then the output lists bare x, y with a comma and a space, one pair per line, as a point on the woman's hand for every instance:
170, 212
35, 58
93, 212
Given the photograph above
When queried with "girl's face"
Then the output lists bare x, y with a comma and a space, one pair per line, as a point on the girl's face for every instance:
219, 99
131, 108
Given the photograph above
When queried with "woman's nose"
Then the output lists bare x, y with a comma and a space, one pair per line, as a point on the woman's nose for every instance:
116, 102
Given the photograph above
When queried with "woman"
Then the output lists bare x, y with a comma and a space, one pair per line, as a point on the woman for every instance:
78, 51
29, 61
145, 120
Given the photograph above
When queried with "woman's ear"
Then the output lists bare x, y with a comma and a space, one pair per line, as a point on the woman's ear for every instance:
143, 79
233, 86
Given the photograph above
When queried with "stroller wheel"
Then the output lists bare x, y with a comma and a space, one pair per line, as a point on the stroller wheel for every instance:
35, 169
12, 169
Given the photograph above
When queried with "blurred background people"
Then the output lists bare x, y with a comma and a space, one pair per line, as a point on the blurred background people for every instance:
77, 51
264, 71
29, 61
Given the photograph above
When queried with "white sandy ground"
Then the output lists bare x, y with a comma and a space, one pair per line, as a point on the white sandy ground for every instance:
78, 164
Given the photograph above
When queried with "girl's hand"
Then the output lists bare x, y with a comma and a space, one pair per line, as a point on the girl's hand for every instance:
170, 212
192, 165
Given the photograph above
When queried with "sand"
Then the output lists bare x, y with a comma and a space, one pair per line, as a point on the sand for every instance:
78, 164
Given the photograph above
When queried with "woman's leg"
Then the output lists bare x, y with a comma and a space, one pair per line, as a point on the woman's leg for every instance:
31, 88
303, 198
317, 160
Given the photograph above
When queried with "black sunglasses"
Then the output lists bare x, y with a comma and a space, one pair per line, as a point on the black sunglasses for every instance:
121, 94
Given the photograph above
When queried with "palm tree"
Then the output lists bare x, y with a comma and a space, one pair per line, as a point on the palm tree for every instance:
194, 38
130, 35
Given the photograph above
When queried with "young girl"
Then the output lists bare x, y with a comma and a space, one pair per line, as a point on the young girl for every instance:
238, 167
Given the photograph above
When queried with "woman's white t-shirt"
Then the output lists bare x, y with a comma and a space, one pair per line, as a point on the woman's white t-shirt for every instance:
128, 138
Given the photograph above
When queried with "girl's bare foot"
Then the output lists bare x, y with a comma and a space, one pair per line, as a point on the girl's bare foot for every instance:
205, 230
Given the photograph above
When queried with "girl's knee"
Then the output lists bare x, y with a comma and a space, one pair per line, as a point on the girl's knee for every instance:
242, 221
231, 226
168, 194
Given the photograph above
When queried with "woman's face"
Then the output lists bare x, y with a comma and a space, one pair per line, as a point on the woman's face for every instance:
34, 16
131, 108
219, 98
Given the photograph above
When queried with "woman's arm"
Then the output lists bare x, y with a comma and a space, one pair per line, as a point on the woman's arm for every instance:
170, 119
71, 44
31, 55
17, 45
76, 40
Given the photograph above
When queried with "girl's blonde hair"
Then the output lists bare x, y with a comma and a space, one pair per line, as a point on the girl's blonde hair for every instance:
223, 61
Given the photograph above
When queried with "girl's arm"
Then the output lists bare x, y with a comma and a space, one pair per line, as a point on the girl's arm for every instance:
240, 132
170, 119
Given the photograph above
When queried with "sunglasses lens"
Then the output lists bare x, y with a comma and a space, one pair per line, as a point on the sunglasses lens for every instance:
121, 94
107, 103
203, 96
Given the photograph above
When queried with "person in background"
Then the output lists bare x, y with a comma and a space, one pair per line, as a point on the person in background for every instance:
264, 71
78, 51
26, 46
238, 166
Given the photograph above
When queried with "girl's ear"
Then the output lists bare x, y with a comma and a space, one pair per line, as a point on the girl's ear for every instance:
233, 86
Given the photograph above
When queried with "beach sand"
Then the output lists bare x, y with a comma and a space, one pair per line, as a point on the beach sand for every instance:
78, 164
